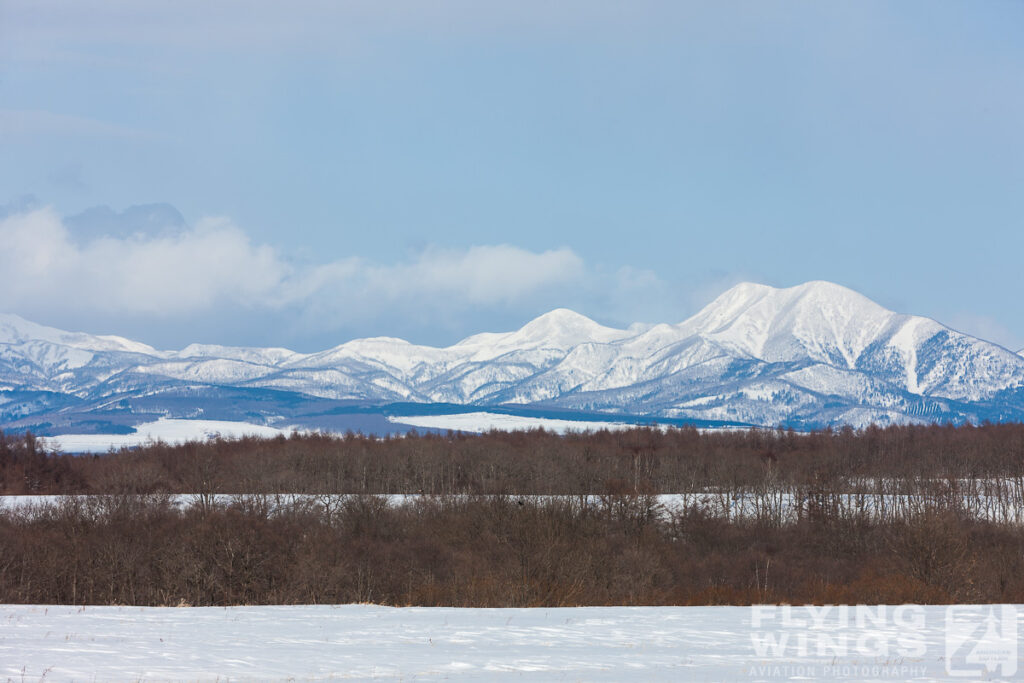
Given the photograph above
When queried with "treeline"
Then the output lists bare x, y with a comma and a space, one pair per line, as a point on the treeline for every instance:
27, 466
490, 551
533, 462
902, 514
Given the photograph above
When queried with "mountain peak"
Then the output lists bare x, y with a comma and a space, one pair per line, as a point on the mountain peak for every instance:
562, 316
830, 322
16, 330
560, 328
829, 291
564, 325
816, 294
752, 292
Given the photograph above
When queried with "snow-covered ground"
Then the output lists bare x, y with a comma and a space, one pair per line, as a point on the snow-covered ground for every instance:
778, 507
366, 642
167, 430
483, 422
176, 431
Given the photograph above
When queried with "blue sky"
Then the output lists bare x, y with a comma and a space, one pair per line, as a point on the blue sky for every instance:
431, 170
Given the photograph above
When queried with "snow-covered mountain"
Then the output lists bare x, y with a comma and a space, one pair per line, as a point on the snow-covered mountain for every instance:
812, 355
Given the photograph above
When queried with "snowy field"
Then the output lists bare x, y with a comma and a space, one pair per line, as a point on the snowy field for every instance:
165, 429
484, 422
365, 642
772, 507
175, 431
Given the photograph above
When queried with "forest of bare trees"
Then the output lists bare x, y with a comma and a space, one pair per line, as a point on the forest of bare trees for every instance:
901, 514
529, 462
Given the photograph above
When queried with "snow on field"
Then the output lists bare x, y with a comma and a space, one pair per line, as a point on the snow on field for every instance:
483, 422
165, 429
360, 642
774, 507
175, 431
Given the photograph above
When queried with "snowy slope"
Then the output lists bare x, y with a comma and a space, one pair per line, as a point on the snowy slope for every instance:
39, 357
809, 355
15, 330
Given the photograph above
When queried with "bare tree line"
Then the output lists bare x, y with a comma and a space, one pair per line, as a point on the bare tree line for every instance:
895, 460
491, 551
902, 514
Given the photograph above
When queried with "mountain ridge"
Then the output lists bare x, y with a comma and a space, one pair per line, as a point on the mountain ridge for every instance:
812, 355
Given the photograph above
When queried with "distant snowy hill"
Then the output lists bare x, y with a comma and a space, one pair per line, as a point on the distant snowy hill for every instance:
807, 356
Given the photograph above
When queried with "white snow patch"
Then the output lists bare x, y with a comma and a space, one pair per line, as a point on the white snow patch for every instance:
168, 430
483, 422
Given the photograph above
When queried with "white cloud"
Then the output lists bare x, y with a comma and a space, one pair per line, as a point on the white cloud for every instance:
479, 275
214, 264
192, 270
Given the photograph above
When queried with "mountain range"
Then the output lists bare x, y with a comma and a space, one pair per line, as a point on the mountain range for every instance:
807, 356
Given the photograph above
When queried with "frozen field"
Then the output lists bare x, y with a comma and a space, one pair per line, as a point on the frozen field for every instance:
364, 642
175, 431
165, 429
484, 421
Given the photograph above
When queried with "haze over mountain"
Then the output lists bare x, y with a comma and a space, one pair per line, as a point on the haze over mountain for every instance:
807, 356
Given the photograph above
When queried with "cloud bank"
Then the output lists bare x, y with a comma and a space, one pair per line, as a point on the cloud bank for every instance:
214, 266
214, 262
146, 273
